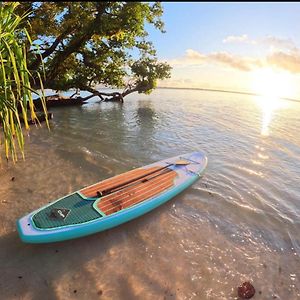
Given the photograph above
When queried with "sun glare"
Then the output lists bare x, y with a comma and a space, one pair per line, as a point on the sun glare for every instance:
271, 86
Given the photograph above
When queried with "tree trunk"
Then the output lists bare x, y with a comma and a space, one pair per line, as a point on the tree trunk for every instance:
75, 43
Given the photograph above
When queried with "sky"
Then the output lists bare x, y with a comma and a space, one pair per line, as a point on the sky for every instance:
249, 47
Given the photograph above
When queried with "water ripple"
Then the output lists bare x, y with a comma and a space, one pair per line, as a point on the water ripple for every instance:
239, 222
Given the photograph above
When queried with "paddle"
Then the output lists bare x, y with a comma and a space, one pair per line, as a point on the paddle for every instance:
123, 185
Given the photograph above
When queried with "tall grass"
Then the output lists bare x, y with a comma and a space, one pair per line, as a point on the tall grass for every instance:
16, 103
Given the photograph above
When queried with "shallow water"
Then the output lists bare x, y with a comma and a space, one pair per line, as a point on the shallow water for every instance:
239, 222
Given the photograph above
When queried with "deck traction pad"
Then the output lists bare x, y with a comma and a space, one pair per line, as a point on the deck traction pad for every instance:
81, 211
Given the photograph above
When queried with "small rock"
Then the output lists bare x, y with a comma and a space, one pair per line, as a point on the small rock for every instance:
100, 292
75, 291
246, 290
20, 277
13, 178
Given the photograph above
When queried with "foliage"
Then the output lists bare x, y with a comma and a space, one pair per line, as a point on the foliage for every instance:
16, 104
145, 73
84, 44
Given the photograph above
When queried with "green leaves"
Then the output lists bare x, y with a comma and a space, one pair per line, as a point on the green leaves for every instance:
15, 91
147, 71
84, 44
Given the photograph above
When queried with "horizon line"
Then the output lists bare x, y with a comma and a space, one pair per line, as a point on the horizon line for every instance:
223, 91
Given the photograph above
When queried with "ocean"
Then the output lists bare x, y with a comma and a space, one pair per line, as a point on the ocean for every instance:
239, 222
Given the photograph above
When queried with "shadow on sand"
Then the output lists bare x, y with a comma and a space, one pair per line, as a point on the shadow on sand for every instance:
83, 268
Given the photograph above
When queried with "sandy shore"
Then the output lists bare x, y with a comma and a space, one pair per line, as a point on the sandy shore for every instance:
100, 266
239, 222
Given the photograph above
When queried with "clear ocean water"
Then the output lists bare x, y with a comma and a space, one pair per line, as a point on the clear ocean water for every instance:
239, 222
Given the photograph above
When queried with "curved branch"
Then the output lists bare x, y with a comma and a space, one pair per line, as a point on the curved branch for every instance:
114, 96
48, 51
129, 91
94, 93
76, 42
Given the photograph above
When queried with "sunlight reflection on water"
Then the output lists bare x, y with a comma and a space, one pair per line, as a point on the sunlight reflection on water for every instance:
239, 222
268, 106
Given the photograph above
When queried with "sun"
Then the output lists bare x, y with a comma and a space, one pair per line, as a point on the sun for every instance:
273, 85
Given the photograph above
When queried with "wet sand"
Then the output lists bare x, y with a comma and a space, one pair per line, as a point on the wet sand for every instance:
162, 255
237, 223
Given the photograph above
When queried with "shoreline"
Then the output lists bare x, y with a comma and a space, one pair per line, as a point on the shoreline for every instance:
223, 91
219, 233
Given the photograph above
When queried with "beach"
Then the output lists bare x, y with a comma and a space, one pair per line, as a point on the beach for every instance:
239, 222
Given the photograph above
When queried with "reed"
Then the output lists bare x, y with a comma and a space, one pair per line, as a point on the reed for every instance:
16, 101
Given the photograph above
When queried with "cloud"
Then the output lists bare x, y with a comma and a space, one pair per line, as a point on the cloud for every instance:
239, 39
193, 57
282, 54
235, 61
286, 61
269, 40
280, 43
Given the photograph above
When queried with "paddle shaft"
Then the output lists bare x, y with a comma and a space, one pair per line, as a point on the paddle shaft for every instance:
142, 180
134, 180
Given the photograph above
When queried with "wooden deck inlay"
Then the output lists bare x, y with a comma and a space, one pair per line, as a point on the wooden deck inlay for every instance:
91, 191
137, 193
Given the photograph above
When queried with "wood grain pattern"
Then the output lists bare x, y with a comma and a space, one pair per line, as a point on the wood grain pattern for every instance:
135, 194
91, 191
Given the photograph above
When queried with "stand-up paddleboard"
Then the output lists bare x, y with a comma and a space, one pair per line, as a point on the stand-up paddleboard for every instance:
112, 201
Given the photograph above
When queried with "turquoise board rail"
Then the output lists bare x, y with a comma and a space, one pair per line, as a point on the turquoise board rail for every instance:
29, 233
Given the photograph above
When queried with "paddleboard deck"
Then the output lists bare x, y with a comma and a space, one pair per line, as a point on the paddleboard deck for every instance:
112, 201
